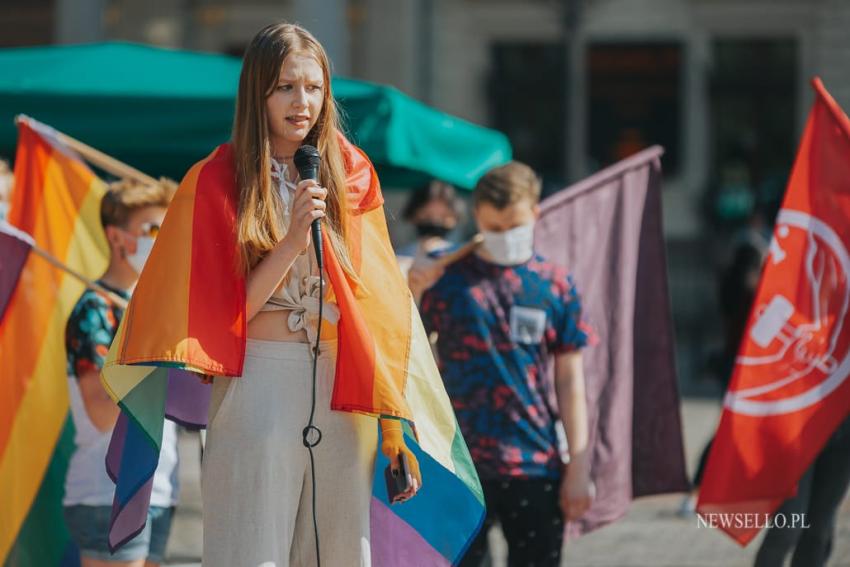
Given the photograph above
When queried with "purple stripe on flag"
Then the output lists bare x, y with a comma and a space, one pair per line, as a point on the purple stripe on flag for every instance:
116, 447
395, 542
126, 524
132, 457
188, 399
14, 250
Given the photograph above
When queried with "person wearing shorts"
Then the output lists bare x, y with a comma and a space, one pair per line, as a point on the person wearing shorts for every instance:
130, 214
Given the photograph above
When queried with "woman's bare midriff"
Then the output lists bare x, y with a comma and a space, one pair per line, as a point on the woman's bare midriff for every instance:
274, 326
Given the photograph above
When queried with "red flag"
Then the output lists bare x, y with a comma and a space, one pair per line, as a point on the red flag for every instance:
790, 389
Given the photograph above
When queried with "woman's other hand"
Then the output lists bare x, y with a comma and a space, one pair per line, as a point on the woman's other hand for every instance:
393, 446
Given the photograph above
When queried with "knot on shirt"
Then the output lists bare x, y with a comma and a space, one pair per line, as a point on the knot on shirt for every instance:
305, 311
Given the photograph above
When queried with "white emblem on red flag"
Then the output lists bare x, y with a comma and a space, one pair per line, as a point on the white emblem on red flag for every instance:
796, 339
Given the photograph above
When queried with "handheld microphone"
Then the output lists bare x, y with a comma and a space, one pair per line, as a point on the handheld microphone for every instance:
307, 162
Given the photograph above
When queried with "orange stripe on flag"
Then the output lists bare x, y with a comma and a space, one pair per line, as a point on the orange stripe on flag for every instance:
35, 370
50, 190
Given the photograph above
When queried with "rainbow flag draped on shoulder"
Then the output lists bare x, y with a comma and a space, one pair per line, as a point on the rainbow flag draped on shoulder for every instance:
187, 315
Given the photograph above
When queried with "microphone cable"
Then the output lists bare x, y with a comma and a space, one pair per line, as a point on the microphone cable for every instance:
311, 428
306, 160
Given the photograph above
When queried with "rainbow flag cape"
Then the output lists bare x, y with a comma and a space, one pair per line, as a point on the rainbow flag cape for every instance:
384, 362
56, 200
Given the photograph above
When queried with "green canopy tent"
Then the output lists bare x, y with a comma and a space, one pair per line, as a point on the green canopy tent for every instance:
160, 110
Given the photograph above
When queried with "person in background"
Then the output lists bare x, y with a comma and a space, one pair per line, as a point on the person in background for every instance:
819, 495
7, 179
131, 214
501, 314
435, 210
737, 285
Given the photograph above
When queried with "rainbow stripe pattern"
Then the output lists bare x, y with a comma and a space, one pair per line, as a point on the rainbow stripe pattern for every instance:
56, 200
384, 363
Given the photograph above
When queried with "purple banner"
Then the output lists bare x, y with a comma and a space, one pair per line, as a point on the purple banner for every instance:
606, 230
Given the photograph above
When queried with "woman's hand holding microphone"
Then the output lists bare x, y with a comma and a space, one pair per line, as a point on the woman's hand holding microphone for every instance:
308, 205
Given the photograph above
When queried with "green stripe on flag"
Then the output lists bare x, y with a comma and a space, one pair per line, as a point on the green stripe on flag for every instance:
464, 469
145, 404
44, 540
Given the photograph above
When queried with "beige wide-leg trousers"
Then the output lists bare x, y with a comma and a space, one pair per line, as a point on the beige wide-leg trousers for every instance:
256, 484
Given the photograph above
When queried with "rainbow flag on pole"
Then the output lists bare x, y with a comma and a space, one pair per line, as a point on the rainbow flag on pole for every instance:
56, 200
384, 363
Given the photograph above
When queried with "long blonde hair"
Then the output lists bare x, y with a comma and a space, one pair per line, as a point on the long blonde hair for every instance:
258, 227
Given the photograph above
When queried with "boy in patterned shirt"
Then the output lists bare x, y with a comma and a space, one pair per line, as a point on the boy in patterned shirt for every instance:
502, 314
131, 214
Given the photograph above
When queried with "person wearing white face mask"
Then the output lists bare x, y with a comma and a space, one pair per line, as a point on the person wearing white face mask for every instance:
131, 214
501, 314
509, 247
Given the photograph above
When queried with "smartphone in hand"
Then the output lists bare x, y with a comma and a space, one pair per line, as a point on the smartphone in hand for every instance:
397, 485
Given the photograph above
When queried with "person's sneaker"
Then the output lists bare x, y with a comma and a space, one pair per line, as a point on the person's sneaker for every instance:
688, 507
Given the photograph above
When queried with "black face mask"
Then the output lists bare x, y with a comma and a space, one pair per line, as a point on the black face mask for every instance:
430, 229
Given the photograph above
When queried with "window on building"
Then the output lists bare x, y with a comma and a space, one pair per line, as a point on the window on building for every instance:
27, 22
527, 101
634, 100
753, 112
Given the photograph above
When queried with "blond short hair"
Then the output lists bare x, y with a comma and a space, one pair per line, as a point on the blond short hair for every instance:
127, 195
508, 184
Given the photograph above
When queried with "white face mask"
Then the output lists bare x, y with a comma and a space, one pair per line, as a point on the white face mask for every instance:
510, 247
144, 245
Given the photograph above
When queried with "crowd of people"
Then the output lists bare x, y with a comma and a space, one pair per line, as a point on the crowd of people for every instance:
499, 316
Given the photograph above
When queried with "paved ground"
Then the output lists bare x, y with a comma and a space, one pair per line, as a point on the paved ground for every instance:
652, 534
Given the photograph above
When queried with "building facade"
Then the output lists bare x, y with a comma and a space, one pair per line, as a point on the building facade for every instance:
723, 85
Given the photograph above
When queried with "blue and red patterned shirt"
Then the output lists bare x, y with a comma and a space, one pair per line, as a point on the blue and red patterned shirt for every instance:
498, 328
91, 328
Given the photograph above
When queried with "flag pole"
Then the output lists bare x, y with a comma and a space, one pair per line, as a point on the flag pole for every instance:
456, 255
120, 301
98, 158
836, 110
